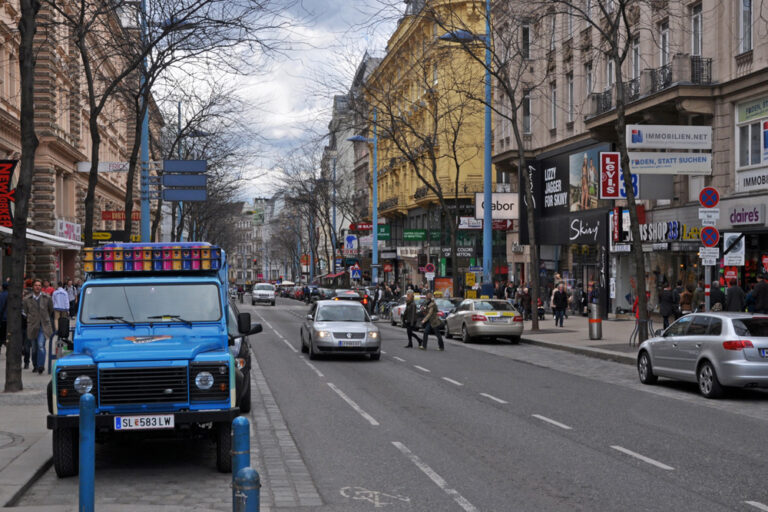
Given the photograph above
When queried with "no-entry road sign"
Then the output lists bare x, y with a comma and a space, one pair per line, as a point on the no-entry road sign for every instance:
710, 236
709, 197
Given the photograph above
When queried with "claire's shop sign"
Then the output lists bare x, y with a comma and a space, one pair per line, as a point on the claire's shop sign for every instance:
747, 215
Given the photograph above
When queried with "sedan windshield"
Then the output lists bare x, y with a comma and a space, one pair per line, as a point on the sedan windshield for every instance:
485, 305
351, 313
264, 287
444, 304
151, 303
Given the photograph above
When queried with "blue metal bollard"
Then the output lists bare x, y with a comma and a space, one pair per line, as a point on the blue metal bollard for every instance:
247, 490
241, 449
87, 446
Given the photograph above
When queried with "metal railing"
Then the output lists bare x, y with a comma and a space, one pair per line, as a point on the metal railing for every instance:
701, 70
604, 101
632, 89
661, 78
388, 203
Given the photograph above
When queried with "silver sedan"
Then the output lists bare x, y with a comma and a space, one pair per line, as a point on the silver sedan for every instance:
484, 318
715, 350
342, 327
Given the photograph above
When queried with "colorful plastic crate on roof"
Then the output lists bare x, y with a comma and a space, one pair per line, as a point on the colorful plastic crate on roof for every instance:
154, 257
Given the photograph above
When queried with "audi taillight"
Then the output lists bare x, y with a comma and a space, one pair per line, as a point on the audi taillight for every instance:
518, 318
737, 344
479, 318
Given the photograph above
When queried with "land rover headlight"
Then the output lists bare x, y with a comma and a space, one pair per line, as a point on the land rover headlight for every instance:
83, 384
204, 380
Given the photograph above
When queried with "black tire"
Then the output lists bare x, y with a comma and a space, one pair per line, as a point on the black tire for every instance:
645, 369
312, 353
392, 321
49, 396
706, 376
465, 337
304, 348
515, 340
448, 333
223, 447
245, 400
66, 447
273, 303
376, 356
253, 303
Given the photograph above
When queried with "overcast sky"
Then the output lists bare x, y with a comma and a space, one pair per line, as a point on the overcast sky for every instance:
294, 94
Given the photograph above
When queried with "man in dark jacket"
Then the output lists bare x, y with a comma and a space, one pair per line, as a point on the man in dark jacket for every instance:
431, 324
409, 319
761, 294
666, 304
559, 304
735, 299
716, 298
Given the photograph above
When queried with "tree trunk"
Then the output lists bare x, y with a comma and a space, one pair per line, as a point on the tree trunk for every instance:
93, 178
133, 162
533, 264
29, 143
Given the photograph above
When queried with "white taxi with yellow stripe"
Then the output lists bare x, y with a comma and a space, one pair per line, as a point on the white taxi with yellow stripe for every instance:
484, 318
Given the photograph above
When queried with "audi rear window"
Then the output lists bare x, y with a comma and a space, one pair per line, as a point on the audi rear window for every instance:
757, 327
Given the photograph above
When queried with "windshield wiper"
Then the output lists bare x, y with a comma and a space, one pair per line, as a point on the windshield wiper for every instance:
118, 318
175, 317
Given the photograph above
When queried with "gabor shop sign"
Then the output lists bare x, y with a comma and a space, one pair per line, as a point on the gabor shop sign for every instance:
504, 205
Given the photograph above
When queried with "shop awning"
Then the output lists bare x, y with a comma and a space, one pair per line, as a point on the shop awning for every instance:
45, 238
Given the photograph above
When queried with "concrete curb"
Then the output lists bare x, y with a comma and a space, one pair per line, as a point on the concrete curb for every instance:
23, 472
597, 353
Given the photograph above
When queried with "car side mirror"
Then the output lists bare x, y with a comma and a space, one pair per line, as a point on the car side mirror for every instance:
374, 318
243, 323
309, 317
255, 328
62, 330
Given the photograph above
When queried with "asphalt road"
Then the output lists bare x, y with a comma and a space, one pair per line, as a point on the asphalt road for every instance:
489, 427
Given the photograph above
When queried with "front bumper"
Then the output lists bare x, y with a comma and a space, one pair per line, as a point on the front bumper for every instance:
180, 418
263, 299
330, 347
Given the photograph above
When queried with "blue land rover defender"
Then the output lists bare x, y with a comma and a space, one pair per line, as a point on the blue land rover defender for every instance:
159, 345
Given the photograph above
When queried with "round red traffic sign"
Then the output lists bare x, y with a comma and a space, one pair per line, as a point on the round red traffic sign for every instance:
429, 267
709, 197
710, 236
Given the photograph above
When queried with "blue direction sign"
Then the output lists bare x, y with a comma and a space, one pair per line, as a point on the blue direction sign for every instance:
195, 166
184, 180
709, 197
185, 194
710, 236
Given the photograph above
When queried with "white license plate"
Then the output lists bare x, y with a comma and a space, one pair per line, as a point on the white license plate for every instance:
144, 422
498, 319
350, 344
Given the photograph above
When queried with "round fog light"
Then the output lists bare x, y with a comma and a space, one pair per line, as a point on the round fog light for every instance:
204, 380
83, 384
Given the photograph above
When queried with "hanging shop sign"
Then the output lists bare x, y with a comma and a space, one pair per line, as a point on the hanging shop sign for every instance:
504, 205
68, 230
7, 167
414, 235
612, 179
470, 223
408, 252
689, 164
642, 136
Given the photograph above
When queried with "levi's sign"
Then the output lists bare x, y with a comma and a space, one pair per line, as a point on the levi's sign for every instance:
642, 136
504, 205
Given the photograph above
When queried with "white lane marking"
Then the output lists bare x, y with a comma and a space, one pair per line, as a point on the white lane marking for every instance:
289, 344
353, 405
314, 368
643, 458
499, 400
383, 352
551, 421
269, 325
422, 368
457, 383
437, 479
757, 505
398, 359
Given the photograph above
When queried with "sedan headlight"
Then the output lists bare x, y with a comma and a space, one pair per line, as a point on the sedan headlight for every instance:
373, 334
323, 334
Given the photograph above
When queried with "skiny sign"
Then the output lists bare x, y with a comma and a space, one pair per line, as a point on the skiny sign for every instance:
6, 193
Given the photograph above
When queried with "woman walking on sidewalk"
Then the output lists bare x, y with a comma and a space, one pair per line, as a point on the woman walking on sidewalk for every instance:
559, 304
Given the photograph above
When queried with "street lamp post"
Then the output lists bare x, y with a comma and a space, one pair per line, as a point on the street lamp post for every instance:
465, 36
375, 197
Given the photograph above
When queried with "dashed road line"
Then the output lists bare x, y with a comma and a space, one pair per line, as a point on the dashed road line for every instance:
495, 399
757, 505
352, 404
383, 352
643, 458
398, 359
454, 382
314, 368
552, 422
422, 368
437, 479
289, 345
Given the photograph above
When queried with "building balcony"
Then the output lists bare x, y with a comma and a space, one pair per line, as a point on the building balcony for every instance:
424, 196
680, 86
